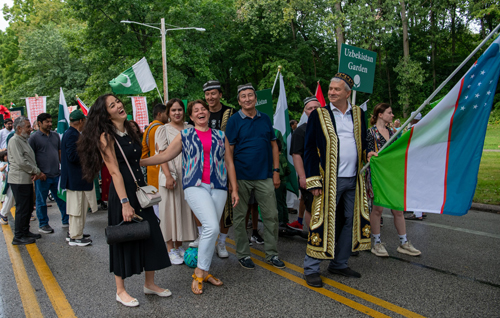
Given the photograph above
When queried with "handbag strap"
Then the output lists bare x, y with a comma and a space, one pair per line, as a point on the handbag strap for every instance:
128, 165
133, 220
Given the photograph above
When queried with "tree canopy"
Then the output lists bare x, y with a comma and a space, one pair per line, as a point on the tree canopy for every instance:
80, 45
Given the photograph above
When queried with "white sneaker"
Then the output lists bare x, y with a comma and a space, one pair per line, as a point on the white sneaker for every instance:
408, 249
195, 243
221, 250
181, 251
175, 258
379, 250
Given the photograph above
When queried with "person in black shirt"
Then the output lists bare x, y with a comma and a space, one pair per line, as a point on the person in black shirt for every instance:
219, 113
297, 153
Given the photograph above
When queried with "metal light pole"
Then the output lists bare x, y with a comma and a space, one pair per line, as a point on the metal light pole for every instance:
164, 60
164, 48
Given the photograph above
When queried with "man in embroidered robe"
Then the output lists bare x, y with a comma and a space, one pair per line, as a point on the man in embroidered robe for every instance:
335, 148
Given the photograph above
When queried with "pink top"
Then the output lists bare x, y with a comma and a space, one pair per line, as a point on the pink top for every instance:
206, 141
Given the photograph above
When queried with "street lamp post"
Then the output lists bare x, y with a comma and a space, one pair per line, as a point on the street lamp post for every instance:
164, 48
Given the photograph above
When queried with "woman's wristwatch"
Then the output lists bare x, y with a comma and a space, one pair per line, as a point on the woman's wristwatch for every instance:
124, 200
276, 170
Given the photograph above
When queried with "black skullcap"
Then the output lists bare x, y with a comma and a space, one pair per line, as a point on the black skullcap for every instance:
310, 99
245, 86
213, 84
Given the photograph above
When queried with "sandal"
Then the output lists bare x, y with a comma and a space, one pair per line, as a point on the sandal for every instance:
413, 217
211, 276
200, 285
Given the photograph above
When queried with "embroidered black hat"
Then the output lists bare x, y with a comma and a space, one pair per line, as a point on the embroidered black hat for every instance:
213, 84
310, 99
245, 86
346, 78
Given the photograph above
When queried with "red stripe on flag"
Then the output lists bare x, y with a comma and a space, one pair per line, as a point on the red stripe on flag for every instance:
406, 164
448, 145
83, 107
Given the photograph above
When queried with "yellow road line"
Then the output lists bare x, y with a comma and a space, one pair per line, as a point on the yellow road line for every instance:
26, 291
54, 292
322, 291
377, 301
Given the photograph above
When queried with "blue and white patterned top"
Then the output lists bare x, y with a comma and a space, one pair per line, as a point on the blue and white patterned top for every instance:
192, 159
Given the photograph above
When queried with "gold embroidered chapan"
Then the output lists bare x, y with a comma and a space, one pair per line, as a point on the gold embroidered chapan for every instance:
228, 208
321, 239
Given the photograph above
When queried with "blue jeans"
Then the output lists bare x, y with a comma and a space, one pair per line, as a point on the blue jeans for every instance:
207, 204
42, 191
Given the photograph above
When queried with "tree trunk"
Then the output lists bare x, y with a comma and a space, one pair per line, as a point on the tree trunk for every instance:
453, 31
388, 77
404, 20
314, 62
483, 32
339, 30
406, 46
433, 46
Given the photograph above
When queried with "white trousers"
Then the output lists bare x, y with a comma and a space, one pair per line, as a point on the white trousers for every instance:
208, 205
8, 202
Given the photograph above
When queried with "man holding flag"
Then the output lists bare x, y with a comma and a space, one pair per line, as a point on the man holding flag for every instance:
335, 146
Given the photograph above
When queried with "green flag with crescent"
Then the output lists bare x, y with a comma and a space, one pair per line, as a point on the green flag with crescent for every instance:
136, 80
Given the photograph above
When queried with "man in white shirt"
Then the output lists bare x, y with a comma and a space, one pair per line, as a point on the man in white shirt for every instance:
335, 148
9, 124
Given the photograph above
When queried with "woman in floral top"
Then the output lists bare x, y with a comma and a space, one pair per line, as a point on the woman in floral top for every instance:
377, 136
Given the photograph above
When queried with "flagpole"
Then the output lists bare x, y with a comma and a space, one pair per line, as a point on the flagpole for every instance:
159, 94
428, 100
279, 70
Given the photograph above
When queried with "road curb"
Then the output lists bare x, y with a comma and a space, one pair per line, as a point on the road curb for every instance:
485, 207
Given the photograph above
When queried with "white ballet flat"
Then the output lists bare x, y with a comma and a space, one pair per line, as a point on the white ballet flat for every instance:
133, 303
164, 293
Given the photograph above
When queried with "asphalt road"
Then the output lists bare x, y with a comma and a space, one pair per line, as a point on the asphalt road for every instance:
457, 275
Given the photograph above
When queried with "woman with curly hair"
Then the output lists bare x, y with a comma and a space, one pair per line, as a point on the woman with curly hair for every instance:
376, 138
106, 126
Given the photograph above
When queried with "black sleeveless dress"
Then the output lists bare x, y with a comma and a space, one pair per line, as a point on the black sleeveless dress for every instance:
127, 259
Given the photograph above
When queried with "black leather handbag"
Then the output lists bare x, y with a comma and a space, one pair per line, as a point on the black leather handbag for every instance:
127, 231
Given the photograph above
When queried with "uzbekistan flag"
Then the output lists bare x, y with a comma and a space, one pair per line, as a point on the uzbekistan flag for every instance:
83, 107
433, 167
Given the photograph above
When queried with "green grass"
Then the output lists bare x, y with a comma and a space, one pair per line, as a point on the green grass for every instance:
492, 140
488, 179
488, 184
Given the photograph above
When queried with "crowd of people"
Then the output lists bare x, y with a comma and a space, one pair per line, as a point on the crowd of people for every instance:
213, 167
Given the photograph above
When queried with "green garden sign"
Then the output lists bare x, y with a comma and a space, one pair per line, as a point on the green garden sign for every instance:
360, 65
265, 102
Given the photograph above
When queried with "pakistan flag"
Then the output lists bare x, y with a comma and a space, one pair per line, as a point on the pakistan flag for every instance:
62, 126
136, 80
